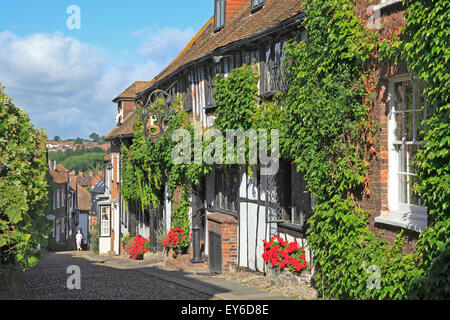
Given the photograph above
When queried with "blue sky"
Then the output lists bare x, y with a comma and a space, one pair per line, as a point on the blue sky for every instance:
65, 79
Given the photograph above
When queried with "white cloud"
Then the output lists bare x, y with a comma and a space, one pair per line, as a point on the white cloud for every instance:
164, 43
67, 86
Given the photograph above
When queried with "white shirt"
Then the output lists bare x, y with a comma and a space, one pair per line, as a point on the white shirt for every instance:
79, 237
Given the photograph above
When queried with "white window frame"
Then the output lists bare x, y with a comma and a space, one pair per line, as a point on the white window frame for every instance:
405, 215
105, 230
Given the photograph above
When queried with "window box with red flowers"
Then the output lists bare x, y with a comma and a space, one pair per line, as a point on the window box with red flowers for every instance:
176, 241
284, 255
137, 247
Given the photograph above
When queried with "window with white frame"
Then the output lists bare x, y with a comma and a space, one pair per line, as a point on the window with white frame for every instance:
105, 223
406, 130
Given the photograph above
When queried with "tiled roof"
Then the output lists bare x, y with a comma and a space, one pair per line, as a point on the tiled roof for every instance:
85, 181
107, 157
99, 187
58, 177
131, 91
73, 183
244, 25
61, 168
83, 199
125, 129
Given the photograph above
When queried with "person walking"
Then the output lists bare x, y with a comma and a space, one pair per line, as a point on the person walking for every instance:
79, 238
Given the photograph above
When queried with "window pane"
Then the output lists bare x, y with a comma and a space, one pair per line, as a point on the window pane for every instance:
412, 156
402, 188
420, 125
409, 126
402, 167
398, 96
399, 126
414, 197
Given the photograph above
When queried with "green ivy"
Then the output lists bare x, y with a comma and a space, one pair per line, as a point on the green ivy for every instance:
148, 165
330, 133
327, 128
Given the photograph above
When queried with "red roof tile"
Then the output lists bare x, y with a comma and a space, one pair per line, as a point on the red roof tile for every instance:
133, 90
243, 25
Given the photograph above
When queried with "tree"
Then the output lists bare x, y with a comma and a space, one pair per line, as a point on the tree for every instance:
23, 187
57, 138
95, 137
78, 141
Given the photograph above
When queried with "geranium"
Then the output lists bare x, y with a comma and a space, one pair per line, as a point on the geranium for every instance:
138, 246
177, 238
282, 253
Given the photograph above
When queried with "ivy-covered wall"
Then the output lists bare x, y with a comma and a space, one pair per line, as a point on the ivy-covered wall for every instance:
333, 126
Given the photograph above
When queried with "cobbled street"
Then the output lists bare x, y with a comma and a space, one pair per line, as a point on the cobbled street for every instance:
48, 281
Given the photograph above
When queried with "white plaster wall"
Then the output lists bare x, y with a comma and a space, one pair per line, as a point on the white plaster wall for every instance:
104, 245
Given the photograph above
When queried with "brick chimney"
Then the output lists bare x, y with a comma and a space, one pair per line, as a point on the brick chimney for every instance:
233, 7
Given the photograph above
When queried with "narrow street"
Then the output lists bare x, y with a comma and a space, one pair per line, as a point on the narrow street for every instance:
48, 281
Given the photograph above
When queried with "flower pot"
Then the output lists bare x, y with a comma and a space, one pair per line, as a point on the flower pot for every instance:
172, 253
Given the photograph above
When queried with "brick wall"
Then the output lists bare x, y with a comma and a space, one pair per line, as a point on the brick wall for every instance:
127, 106
379, 171
233, 7
226, 226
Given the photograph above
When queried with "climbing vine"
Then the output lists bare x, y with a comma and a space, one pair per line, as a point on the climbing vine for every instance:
330, 133
148, 165
328, 128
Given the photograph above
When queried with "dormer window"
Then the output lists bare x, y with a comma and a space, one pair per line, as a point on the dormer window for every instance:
119, 116
219, 14
257, 4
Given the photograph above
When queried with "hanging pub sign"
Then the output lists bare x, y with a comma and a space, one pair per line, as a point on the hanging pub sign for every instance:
155, 111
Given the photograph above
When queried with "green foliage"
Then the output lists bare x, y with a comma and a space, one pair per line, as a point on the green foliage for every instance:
23, 188
90, 161
148, 165
95, 239
330, 135
95, 137
426, 50
81, 159
235, 99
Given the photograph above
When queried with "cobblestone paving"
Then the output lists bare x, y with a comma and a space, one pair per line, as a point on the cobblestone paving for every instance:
266, 283
48, 281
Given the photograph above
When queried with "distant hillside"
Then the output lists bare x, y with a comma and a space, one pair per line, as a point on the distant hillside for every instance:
84, 160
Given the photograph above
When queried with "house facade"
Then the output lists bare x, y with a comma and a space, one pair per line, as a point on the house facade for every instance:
71, 202
236, 210
114, 213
